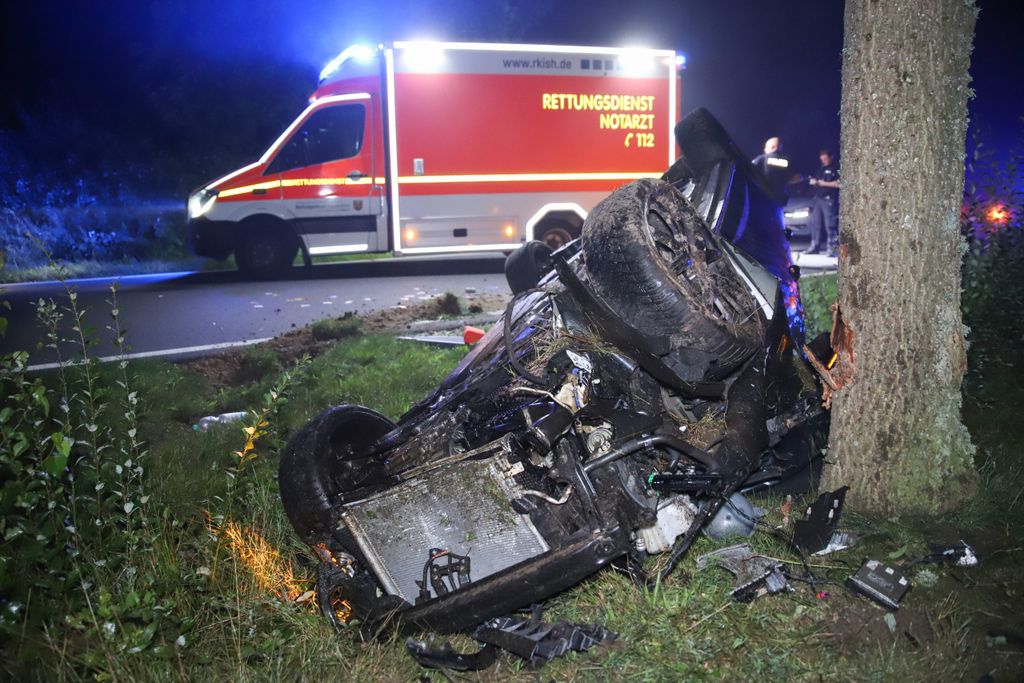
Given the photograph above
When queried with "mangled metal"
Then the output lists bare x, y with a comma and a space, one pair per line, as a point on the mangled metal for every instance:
642, 377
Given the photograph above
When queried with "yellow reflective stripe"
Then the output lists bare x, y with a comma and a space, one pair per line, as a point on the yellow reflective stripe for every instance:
521, 177
435, 179
312, 182
249, 188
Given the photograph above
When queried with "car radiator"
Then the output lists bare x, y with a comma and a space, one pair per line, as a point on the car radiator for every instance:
463, 508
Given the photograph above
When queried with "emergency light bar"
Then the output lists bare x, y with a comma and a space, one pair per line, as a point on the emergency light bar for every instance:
362, 54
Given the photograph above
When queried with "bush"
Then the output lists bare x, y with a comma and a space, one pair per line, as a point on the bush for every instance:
62, 207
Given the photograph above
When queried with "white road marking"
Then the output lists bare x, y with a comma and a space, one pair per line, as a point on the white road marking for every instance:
156, 354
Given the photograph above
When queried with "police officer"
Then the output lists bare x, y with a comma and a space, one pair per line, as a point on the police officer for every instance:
774, 165
824, 218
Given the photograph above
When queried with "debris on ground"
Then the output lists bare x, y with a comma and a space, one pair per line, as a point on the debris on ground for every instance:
230, 368
755, 574
435, 339
471, 335
959, 554
841, 540
880, 582
531, 639
814, 533
205, 423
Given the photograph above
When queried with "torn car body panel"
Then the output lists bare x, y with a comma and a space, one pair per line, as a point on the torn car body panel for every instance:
654, 372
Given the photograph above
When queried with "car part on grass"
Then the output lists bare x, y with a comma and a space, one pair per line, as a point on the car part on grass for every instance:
442, 340
447, 658
528, 638
631, 391
755, 575
958, 554
814, 533
840, 540
880, 582
538, 642
738, 517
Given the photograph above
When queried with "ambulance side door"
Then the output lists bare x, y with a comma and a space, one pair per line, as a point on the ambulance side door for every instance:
326, 171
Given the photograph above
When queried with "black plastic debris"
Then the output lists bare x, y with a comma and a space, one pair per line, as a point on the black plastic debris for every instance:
959, 554
539, 642
447, 658
755, 574
529, 638
880, 582
813, 534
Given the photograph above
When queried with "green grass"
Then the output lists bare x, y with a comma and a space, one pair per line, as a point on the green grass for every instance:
818, 292
687, 629
336, 328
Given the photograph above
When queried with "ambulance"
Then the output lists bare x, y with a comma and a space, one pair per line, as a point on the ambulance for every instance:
426, 148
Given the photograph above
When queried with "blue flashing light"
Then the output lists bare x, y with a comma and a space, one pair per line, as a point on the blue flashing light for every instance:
362, 54
794, 312
681, 61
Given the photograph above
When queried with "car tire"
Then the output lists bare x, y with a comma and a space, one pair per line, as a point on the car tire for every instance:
525, 266
265, 251
313, 467
659, 269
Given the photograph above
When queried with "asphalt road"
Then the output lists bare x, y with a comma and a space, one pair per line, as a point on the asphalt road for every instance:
174, 315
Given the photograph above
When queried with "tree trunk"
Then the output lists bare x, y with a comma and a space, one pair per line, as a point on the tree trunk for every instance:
897, 438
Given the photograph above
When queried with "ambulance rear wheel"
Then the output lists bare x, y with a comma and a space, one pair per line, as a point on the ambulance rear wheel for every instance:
265, 252
555, 234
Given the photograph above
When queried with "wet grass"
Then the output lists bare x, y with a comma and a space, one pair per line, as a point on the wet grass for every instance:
222, 624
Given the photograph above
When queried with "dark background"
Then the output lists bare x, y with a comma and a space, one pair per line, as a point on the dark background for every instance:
156, 97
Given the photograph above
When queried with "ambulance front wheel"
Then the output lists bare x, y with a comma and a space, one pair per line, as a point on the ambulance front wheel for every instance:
264, 252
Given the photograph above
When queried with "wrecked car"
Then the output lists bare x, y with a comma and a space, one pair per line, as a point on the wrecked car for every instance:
640, 381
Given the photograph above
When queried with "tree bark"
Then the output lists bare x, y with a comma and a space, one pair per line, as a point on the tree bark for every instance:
897, 437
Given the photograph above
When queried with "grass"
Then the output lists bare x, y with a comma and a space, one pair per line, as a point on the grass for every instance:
336, 328
219, 620
818, 292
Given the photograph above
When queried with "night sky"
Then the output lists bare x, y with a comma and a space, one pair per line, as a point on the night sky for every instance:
763, 67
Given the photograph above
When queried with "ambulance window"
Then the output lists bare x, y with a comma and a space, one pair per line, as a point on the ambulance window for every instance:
328, 135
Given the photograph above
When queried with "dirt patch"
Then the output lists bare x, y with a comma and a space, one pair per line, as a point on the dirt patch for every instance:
236, 367
854, 622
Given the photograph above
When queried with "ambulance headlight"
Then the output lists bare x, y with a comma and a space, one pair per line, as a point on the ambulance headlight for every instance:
200, 202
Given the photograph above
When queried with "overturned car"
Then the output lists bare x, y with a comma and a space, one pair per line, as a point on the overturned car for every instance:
641, 379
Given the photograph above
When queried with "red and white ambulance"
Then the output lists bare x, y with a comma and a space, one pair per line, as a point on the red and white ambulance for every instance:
445, 147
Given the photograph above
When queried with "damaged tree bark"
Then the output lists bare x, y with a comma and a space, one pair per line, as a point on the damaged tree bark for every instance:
897, 438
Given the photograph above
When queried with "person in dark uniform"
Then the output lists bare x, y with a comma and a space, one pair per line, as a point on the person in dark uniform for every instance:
774, 165
824, 218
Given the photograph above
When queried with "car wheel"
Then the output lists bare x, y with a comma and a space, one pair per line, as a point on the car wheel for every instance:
265, 251
324, 458
525, 266
652, 260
